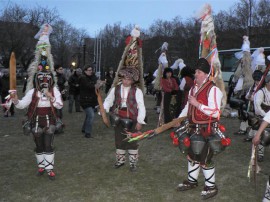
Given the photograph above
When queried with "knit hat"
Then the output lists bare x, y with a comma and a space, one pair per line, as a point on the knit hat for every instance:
129, 72
203, 65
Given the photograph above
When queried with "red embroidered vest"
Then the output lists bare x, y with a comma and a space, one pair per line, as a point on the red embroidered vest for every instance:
131, 101
33, 105
194, 114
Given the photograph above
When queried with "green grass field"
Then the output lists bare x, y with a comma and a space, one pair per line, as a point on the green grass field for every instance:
84, 167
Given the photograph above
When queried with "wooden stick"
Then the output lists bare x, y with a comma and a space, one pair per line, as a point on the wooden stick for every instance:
101, 109
12, 72
255, 167
168, 125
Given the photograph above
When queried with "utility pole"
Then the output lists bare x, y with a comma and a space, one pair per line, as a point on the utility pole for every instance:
84, 47
99, 63
250, 16
95, 48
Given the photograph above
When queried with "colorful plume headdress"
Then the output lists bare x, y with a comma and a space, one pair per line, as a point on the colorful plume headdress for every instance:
131, 64
43, 61
208, 49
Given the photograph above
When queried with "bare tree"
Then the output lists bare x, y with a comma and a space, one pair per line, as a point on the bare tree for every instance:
39, 15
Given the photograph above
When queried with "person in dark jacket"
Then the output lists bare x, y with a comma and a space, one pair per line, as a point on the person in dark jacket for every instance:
109, 79
170, 88
4, 88
148, 82
88, 98
61, 80
74, 90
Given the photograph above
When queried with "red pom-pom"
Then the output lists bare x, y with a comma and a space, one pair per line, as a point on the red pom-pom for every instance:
172, 134
128, 39
222, 128
226, 141
175, 142
186, 142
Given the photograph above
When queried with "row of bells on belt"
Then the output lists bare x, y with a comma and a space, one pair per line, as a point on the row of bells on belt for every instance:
181, 138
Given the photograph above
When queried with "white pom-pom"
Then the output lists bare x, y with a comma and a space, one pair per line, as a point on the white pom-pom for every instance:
164, 46
136, 31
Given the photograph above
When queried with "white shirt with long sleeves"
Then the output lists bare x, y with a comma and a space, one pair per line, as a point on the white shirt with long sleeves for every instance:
262, 96
43, 101
214, 102
109, 101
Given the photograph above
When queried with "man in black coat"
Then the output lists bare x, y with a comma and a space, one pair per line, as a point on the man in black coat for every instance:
4, 88
88, 98
74, 90
61, 80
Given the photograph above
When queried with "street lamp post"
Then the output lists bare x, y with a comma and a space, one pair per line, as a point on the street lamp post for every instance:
84, 48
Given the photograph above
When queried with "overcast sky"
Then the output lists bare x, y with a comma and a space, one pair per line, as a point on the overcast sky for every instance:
93, 15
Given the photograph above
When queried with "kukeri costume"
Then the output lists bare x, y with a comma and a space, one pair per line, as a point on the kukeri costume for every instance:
42, 120
202, 129
243, 74
200, 137
265, 141
162, 64
126, 103
262, 106
246, 108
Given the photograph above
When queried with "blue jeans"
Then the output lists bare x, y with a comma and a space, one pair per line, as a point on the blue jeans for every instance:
88, 121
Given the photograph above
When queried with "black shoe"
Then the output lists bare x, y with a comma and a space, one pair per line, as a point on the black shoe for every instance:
260, 158
209, 192
240, 132
118, 165
248, 139
186, 185
79, 111
83, 131
87, 135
